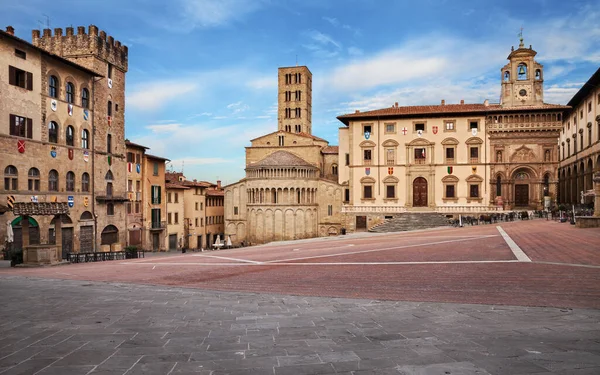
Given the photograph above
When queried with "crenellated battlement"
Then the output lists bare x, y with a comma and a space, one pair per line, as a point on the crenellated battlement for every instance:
95, 43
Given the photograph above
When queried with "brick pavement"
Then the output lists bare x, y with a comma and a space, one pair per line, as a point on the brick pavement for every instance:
81, 327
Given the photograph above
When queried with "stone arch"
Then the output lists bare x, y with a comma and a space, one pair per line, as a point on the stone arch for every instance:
86, 215
391, 180
450, 178
450, 141
300, 221
420, 142
474, 141
390, 143
367, 180
64, 220
109, 235
59, 82
289, 225
523, 168
269, 230
367, 144
474, 178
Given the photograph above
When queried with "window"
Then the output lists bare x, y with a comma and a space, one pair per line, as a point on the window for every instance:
20, 54
84, 139
346, 195
85, 98
155, 194
137, 207
33, 182
109, 143
581, 113
298, 113
498, 186
109, 189
169, 198
21, 126
53, 180
419, 156
53, 132
129, 185
367, 192
347, 159
546, 185
20, 78
334, 169
70, 181
176, 197
474, 152
10, 178
196, 206
110, 71
450, 155
329, 210
201, 206
128, 205
155, 169
169, 221
70, 136
390, 191
390, 128
138, 186
390, 156
85, 182
367, 129
419, 126
52, 85
473, 124
450, 182
196, 222
176, 217
281, 141
70, 89
109, 109
450, 191
522, 71
110, 209
450, 126
367, 156
474, 191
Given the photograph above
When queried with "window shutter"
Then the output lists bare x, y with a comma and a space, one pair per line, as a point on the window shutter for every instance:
13, 128
152, 194
159, 194
11, 75
29, 128
29, 81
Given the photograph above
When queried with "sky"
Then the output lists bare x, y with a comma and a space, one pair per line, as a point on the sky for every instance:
202, 79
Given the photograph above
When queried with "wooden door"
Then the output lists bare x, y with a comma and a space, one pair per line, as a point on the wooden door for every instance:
172, 242
67, 241
155, 241
361, 222
420, 192
522, 195
86, 239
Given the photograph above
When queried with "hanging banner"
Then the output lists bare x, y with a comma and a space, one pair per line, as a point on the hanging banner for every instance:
86, 156
404, 131
70, 154
367, 171
109, 160
129, 167
53, 151
390, 170
449, 170
138, 168
70, 109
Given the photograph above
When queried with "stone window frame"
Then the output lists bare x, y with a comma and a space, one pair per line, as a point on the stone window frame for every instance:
53, 85
470, 120
365, 125
474, 142
364, 146
70, 92
85, 97
364, 182
448, 143
414, 126
11, 178
85, 182
70, 135
420, 143
474, 180
393, 131
85, 139
392, 145
70, 181
53, 178
33, 179
447, 181
53, 132
391, 181
453, 122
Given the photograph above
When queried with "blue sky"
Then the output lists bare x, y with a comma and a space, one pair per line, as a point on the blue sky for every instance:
202, 77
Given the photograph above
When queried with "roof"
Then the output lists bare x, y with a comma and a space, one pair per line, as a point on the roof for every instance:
43, 208
128, 143
203, 184
311, 136
215, 193
157, 157
301, 134
170, 185
281, 159
441, 109
584, 91
44, 52
331, 150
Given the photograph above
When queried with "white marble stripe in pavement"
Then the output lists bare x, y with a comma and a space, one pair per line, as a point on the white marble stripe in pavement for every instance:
519, 254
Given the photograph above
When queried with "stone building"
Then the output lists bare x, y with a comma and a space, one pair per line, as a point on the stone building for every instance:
195, 212
454, 158
62, 133
580, 144
290, 190
146, 206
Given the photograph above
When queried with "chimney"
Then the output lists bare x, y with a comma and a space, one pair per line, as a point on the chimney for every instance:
10, 30
357, 111
443, 102
396, 104
486, 103
462, 101
218, 184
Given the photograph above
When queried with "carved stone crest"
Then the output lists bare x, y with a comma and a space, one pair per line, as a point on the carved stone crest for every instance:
523, 154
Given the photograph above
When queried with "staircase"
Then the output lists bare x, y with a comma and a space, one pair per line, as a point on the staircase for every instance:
411, 221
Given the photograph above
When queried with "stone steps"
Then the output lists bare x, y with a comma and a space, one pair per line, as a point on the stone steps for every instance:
411, 221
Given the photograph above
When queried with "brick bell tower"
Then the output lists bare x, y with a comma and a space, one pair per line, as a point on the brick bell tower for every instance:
107, 57
522, 78
294, 104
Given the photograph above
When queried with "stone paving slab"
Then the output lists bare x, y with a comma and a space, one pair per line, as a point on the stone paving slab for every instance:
73, 327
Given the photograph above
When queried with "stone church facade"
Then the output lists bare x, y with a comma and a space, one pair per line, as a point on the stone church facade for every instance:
290, 190
454, 158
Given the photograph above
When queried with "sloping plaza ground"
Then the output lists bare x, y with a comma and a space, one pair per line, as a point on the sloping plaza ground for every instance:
508, 298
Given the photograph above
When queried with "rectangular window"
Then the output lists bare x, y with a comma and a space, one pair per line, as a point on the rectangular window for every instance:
169, 198
129, 207
390, 191
201, 206
110, 209
449, 154
346, 195
196, 222
450, 191
419, 156
201, 222
235, 210
196, 207
155, 194
155, 169
20, 78
367, 192
347, 159
138, 186
20, 54
473, 124
137, 207
281, 141
367, 129
155, 217
390, 158
420, 126
590, 106
449, 126
176, 197
329, 210
390, 128
176, 217
474, 152
367, 156
21, 126
137, 158
169, 218
129, 185
110, 71
581, 113
474, 191
130, 157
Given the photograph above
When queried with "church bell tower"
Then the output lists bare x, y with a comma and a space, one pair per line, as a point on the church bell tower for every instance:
522, 79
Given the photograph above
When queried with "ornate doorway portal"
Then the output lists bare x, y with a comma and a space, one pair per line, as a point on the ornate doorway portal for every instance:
522, 195
420, 192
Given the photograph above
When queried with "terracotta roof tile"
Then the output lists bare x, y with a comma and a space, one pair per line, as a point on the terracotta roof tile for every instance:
157, 157
280, 159
215, 193
331, 150
131, 144
170, 185
43, 208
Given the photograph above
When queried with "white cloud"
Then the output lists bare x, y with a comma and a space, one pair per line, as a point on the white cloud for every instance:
561, 94
155, 95
164, 128
211, 13
238, 107
322, 44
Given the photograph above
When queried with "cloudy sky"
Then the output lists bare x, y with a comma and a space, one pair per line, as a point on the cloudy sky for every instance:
202, 77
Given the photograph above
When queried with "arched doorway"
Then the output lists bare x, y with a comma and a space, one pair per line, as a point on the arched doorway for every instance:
110, 235
522, 178
34, 232
420, 192
66, 234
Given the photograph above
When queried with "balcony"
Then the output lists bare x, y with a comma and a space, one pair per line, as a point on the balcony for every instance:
367, 162
390, 162
474, 160
111, 198
420, 161
158, 225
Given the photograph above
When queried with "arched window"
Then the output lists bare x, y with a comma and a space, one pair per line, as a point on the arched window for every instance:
522, 71
70, 136
546, 185
85, 182
498, 186
52, 85
109, 143
70, 90
85, 98
334, 169
53, 180
538, 74
108, 176
53, 132
33, 183
11, 181
109, 108
85, 135
70, 181
506, 76
110, 209
109, 185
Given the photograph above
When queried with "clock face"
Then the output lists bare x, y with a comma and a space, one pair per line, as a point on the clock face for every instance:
522, 92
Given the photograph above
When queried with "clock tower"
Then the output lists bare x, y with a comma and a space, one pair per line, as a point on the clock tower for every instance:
522, 79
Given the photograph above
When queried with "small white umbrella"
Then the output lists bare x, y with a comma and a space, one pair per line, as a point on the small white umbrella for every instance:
228, 241
10, 236
218, 241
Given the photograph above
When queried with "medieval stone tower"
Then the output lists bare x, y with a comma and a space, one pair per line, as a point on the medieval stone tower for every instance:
294, 110
108, 58
522, 79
